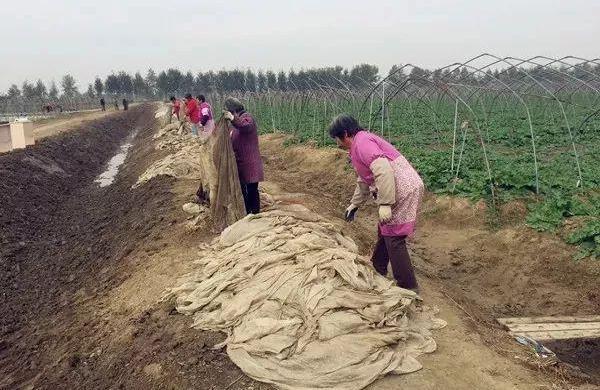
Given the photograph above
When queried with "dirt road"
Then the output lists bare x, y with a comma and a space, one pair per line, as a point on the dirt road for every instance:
82, 270
472, 271
63, 123
52, 126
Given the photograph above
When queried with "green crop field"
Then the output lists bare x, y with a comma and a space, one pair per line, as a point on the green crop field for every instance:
494, 147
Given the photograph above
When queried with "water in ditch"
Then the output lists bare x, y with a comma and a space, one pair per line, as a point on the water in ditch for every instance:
107, 177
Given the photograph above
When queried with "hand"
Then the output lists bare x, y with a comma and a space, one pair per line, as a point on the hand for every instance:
350, 213
227, 115
385, 213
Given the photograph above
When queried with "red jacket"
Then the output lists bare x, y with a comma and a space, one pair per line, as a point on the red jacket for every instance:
176, 107
193, 110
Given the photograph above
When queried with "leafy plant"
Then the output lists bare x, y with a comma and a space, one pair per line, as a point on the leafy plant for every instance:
588, 239
557, 181
548, 215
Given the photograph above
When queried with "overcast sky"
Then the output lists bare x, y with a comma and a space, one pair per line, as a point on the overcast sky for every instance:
46, 39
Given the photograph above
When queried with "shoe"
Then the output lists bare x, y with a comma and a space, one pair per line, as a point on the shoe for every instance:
416, 290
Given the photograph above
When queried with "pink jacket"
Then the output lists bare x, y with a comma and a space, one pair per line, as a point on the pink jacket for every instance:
205, 113
365, 149
408, 192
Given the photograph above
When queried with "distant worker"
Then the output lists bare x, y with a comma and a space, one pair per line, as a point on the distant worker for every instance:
398, 192
103, 104
206, 115
176, 107
244, 139
192, 112
116, 105
125, 104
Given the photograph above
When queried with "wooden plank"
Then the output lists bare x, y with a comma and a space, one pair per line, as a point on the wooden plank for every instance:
554, 326
560, 334
538, 320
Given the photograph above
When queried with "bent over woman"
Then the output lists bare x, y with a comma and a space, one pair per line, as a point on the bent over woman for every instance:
399, 190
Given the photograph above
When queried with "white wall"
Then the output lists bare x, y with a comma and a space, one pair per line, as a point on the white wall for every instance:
5, 144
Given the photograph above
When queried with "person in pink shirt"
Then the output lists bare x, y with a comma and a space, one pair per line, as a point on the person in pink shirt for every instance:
206, 115
192, 111
398, 190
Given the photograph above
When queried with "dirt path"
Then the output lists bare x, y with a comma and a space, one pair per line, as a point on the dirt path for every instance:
473, 274
44, 128
83, 269
463, 360
52, 126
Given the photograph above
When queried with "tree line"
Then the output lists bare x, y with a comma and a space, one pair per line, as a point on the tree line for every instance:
175, 82
470, 75
172, 81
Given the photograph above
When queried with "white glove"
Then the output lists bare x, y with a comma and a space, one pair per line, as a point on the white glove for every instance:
228, 115
385, 213
350, 212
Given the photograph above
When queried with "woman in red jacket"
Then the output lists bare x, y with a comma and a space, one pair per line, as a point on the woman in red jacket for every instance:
192, 111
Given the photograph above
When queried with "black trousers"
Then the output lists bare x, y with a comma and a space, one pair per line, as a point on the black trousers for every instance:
251, 197
393, 250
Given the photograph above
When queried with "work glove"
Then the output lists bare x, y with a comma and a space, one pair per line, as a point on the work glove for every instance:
350, 213
227, 115
385, 213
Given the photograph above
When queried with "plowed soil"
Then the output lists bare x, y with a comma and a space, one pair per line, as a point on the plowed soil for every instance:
82, 269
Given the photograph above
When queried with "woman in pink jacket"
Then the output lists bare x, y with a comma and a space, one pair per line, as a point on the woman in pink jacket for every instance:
206, 116
398, 188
